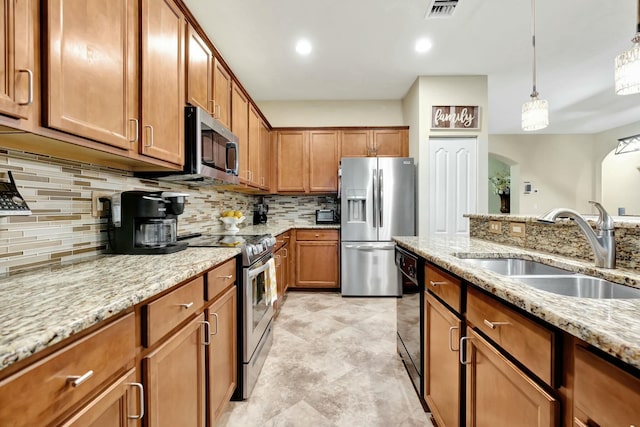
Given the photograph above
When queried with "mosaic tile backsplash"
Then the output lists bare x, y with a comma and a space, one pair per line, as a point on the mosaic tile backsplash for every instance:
61, 228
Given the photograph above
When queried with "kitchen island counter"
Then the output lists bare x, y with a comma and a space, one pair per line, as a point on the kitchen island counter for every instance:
612, 325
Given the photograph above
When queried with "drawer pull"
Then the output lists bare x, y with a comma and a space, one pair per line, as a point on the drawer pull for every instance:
451, 329
494, 325
207, 333
317, 235
229, 276
432, 283
141, 392
76, 380
286, 252
462, 361
186, 306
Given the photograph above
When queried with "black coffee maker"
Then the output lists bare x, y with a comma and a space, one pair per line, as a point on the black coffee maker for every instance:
260, 211
143, 222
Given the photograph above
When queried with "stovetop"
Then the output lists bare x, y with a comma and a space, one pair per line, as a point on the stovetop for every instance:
253, 247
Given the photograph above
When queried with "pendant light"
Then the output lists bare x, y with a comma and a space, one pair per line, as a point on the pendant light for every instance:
535, 112
627, 72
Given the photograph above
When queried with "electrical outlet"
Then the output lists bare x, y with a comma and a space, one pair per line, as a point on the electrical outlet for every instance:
518, 229
98, 209
495, 227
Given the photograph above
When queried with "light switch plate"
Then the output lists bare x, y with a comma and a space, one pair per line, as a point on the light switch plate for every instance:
495, 227
517, 229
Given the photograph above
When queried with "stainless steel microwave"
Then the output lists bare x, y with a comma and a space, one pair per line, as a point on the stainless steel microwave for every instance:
211, 155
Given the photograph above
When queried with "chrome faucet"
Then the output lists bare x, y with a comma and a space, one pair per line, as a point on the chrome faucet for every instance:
602, 241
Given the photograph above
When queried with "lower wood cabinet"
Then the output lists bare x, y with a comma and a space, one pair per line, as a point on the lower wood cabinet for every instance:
317, 259
282, 271
175, 378
500, 394
222, 352
442, 367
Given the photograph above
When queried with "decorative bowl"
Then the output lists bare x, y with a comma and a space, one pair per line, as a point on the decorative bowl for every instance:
231, 222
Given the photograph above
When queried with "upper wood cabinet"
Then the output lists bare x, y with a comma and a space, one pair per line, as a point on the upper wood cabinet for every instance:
199, 71
162, 118
291, 161
323, 161
221, 93
240, 128
256, 176
375, 142
17, 77
265, 155
92, 70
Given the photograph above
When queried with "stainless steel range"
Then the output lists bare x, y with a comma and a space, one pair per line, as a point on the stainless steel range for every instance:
255, 310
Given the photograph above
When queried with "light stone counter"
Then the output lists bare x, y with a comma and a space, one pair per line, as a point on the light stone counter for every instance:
612, 325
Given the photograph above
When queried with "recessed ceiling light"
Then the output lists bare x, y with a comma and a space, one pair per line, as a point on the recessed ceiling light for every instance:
423, 45
303, 47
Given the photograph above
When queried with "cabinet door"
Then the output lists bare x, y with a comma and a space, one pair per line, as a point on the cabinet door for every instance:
282, 271
175, 379
222, 360
499, 394
323, 161
117, 406
240, 128
356, 143
442, 368
255, 171
91, 63
162, 125
291, 161
390, 143
265, 156
317, 264
222, 93
18, 53
199, 69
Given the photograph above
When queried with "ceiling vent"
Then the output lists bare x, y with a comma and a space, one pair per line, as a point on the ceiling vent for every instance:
441, 9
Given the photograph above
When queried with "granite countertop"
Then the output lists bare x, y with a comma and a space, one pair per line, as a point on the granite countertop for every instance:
619, 221
612, 325
44, 306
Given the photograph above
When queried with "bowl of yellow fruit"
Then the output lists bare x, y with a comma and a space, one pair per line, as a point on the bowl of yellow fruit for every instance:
231, 219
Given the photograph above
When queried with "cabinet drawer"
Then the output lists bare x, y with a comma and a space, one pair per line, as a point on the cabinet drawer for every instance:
444, 285
164, 314
44, 391
281, 240
603, 393
317, 235
529, 342
219, 279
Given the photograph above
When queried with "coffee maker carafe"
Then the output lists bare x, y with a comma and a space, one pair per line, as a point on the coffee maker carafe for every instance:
260, 213
145, 222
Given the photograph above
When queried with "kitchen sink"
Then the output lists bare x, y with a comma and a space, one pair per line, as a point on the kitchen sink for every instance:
581, 286
516, 266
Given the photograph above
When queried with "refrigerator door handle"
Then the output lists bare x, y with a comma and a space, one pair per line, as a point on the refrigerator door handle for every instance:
381, 196
375, 199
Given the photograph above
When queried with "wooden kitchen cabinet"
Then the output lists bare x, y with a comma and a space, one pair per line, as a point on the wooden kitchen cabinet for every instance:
162, 111
265, 156
175, 375
391, 142
199, 71
256, 175
291, 162
317, 259
222, 352
240, 128
221, 93
356, 142
91, 67
17, 75
323, 161
604, 394
283, 265
499, 393
442, 373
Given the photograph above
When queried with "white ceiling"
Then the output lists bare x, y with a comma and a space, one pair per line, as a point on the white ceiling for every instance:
364, 50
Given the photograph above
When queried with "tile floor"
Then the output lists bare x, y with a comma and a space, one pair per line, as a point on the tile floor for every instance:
333, 363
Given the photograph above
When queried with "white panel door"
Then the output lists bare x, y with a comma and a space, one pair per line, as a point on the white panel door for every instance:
452, 184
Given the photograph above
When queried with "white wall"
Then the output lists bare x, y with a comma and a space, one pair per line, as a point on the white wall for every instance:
560, 167
333, 113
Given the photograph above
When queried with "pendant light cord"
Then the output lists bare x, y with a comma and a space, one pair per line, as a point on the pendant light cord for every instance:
534, 94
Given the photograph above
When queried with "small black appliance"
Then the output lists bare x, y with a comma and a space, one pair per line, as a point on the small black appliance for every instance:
143, 222
260, 213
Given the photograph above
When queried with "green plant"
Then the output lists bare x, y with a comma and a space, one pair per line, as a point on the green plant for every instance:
501, 182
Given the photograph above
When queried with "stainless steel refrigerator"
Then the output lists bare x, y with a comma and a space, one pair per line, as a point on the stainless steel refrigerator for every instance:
377, 202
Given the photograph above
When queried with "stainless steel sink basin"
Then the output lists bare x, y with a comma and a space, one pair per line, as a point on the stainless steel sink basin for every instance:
516, 266
581, 286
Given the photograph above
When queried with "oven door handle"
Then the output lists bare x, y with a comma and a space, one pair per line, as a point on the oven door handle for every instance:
254, 273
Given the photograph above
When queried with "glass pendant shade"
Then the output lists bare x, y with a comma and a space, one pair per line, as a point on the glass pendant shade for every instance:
627, 72
535, 114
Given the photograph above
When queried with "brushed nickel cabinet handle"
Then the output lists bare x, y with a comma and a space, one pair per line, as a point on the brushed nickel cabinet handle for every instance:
30, 92
462, 361
135, 139
494, 325
229, 276
286, 252
186, 306
150, 144
76, 380
207, 333
432, 283
451, 329
141, 396
216, 317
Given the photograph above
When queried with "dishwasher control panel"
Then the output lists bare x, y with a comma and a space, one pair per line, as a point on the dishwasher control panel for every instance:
407, 264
